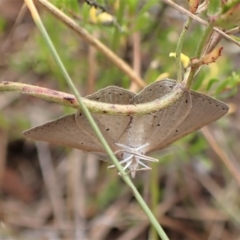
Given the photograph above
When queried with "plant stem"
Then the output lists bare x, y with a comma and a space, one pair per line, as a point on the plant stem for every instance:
66, 99
200, 50
204, 41
195, 17
154, 198
123, 66
179, 50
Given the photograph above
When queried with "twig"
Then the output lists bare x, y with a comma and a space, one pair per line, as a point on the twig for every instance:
183, 10
221, 196
179, 50
50, 181
20, 16
222, 155
115, 109
200, 51
93, 41
3, 153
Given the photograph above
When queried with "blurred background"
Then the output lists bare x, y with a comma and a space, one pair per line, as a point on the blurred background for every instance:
52, 192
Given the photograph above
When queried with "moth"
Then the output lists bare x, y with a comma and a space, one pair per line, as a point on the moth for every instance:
133, 138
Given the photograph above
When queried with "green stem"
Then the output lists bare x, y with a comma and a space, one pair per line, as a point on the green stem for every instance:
125, 177
200, 51
154, 198
179, 50
205, 39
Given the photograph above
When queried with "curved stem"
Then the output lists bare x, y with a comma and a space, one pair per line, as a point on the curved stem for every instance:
114, 109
